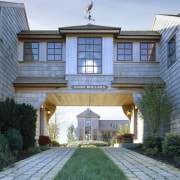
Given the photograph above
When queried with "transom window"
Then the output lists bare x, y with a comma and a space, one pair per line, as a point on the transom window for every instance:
31, 51
54, 51
124, 51
89, 55
147, 51
172, 51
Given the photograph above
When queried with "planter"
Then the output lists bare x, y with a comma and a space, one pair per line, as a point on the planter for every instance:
127, 140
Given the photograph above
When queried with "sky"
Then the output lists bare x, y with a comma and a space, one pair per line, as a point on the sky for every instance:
127, 14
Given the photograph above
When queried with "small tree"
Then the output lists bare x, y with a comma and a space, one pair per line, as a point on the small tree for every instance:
70, 134
155, 106
123, 129
53, 130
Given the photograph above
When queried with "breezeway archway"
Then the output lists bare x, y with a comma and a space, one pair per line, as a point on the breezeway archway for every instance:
83, 99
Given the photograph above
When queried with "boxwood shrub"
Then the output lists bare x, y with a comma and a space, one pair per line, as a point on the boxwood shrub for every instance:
171, 145
152, 144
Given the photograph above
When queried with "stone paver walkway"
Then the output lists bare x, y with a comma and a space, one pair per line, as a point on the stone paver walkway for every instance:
137, 166
45, 165
42, 166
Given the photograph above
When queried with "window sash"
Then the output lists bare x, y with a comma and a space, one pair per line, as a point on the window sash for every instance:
54, 51
31, 51
124, 51
147, 51
89, 55
171, 51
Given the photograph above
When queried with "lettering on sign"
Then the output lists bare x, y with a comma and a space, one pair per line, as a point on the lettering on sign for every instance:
89, 86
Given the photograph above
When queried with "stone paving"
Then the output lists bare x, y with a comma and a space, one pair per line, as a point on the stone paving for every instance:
139, 167
42, 166
45, 165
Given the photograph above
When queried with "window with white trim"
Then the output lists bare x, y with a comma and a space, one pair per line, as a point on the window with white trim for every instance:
89, 55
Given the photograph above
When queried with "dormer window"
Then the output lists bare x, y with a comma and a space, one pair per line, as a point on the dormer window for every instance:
89, 55
31, 51
172, 51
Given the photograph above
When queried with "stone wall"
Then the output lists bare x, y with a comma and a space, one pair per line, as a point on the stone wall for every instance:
12, 20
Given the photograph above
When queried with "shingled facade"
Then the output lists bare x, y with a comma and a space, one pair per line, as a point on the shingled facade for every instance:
87, 65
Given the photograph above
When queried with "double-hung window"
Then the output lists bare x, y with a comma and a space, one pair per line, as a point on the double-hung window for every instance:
171, 51
54, 51
89, 55
147, 51
31, 51
124, 51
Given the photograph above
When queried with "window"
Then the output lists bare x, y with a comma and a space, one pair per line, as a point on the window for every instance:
54, 51
89, 55
172, 51
31, 51
124, 51
147, 51
87, 128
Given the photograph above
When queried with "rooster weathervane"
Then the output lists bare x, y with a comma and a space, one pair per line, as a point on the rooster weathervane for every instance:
88, 12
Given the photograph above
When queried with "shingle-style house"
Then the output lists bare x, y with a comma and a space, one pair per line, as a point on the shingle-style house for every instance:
90, 127
87, 65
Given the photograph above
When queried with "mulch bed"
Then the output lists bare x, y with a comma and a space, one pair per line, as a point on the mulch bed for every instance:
160, 157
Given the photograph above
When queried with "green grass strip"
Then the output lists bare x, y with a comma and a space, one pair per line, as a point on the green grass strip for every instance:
90, 164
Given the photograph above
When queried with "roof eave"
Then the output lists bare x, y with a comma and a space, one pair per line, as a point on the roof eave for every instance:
143, 37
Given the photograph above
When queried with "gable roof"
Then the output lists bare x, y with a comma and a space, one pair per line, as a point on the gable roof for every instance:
90, 28
88, 113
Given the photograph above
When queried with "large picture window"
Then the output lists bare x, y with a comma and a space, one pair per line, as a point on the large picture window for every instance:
147, 51
89, 55
54, 51
31, 51
124, 51
172, 51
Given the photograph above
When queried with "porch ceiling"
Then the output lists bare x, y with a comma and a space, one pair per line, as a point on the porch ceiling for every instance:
89, 99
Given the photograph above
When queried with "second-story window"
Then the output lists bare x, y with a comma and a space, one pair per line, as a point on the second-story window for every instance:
172, 51
54, 51
124, 51
31, 51
89, 55
147, 51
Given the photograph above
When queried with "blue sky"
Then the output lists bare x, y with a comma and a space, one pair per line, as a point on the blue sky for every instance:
127, 14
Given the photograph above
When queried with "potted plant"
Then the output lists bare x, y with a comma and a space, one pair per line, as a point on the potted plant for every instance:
127, 138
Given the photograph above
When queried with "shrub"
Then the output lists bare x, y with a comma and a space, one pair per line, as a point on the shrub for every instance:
55, 143
113, 141
5, 153
87, 143
44, 140
33, 150
27, 116
8, 115
171, 144
15, 139
152, 144
177, 159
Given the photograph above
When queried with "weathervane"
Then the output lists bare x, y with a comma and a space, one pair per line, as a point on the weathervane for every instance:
88, 11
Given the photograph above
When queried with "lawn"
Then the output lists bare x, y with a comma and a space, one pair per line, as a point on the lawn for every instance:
90, 164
